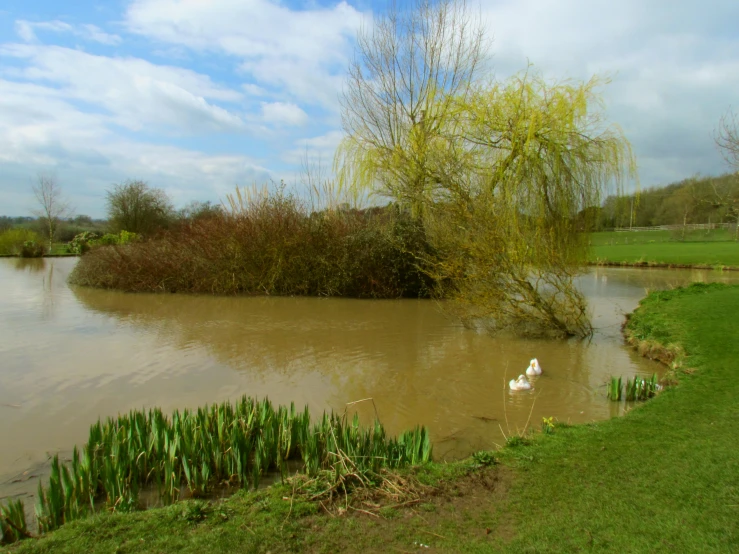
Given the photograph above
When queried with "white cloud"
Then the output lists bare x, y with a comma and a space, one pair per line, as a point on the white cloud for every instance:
98, 35
305, 52
137, 94
314, 150
98, 119
283, 112
253, 90
41, 131
25, 30
673, 67
66, 121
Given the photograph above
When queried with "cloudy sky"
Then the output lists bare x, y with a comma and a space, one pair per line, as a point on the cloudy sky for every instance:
197, 96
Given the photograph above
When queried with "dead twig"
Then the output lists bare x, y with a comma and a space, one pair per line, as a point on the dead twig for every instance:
365, 512
530, 412
346, 407
408, 503
325, 508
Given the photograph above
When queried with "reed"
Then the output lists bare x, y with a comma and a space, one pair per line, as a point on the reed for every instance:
13, 522
640, 388
635, 389
234, 444
615, 389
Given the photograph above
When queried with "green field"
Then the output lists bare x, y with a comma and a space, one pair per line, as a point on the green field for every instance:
663, 478
714, 248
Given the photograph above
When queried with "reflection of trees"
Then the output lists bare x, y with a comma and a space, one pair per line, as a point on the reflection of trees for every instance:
32, 265
51, 280
661, 278
48, 299
343, 340
416, 365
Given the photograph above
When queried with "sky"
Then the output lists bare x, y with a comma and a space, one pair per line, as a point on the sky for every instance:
199, 96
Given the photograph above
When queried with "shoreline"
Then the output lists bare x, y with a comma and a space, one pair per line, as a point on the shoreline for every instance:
549, 490
662, 265
40, 257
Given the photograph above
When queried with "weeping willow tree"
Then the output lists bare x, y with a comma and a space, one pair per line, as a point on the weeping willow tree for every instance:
499, 174
511, 221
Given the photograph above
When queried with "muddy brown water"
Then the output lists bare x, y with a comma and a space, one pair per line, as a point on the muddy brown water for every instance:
69, 356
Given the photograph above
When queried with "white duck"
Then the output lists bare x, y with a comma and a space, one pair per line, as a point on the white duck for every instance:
520, 384
534, 368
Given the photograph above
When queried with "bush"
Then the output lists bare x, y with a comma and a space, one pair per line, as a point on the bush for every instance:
111, 239
81, 243
274, 245
32, 249
12, 241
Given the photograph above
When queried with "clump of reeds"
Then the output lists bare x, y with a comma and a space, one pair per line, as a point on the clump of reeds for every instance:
13, 522
615, 389
637, 388
235, 444
640, 388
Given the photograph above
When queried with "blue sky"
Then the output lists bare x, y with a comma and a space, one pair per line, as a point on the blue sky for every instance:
198, 96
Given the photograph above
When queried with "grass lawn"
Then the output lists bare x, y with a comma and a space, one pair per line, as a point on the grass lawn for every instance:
699, 248
609, 238
663, 478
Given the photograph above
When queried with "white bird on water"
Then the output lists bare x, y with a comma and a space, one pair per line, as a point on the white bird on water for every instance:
520, 384
534, 368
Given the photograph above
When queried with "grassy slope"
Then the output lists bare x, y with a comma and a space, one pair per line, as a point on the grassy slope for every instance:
665, 478
656, 246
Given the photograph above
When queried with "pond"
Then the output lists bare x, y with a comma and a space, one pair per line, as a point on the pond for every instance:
69, 356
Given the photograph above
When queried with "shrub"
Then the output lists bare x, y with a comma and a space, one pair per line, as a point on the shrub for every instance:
12, 241
82, 242
32, 249
110, 239
271, 245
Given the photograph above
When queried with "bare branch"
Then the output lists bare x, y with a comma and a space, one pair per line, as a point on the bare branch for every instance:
52, 205
727, 138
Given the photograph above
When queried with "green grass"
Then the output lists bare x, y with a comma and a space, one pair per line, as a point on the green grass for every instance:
608, 238
660, 247
663, 478
58, 249
666, 476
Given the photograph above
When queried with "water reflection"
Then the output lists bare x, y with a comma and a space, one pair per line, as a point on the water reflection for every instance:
32, 265
70, 356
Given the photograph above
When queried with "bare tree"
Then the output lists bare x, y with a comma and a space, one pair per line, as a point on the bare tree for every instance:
727, 140
410, 66
53, 205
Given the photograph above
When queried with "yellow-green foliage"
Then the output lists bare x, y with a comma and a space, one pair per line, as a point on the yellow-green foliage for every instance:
498, 180
12, 240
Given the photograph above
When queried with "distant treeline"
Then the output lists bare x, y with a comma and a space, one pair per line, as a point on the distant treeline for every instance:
67, 230
694, 200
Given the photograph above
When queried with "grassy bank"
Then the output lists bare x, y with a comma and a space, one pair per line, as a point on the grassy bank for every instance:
664, 478
700, 248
